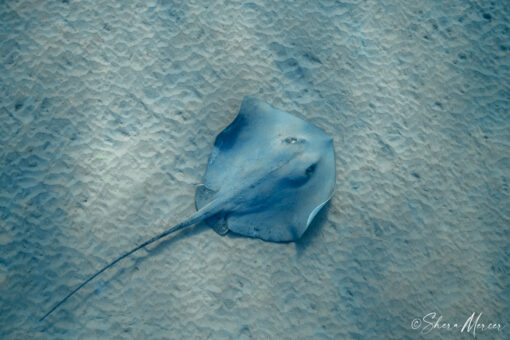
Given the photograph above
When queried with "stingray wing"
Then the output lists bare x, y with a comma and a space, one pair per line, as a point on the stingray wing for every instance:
247, 144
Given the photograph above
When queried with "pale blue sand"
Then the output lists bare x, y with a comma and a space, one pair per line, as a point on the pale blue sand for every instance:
109, 111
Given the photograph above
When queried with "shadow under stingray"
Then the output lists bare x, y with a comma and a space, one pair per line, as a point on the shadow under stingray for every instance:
309, 235
313, 230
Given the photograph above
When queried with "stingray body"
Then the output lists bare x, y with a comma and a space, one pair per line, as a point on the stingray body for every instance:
268, 175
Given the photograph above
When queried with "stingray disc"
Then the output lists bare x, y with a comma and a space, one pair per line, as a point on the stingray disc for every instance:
273, 170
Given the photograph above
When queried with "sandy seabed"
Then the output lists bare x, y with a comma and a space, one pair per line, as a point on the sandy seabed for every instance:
108, 112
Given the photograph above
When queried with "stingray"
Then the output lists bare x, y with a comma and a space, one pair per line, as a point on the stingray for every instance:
267, 177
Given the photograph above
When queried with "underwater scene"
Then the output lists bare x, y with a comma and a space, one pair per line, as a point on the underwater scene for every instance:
254, 169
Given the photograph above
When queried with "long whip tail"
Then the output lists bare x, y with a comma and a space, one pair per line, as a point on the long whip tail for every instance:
118, 259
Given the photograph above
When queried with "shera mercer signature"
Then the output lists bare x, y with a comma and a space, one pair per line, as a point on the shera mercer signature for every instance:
473, 324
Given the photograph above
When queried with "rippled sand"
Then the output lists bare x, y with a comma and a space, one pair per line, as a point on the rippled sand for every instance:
108, 112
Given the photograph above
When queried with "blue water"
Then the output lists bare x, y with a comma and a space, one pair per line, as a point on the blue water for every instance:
108, 112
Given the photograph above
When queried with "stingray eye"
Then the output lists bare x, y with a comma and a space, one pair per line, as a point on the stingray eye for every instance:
311, 169
294, 140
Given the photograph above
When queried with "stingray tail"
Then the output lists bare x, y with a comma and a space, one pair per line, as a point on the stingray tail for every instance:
195, 218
